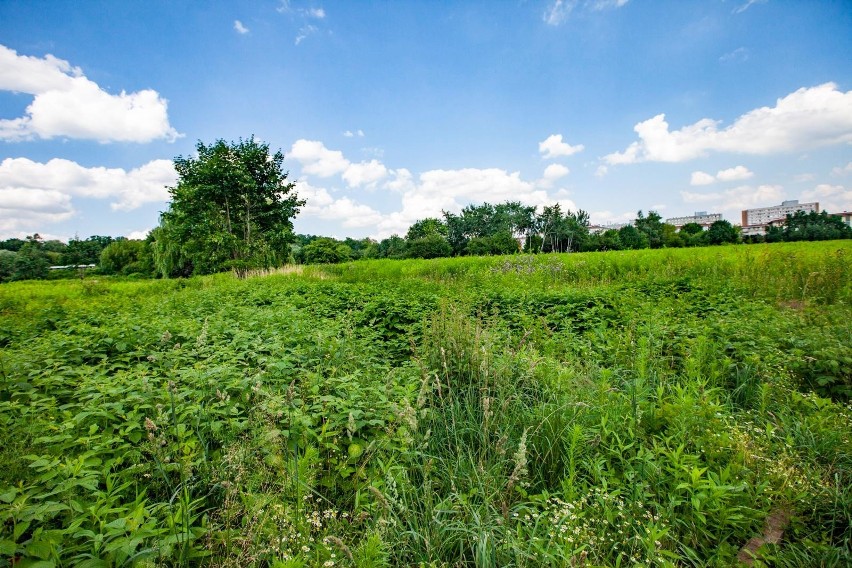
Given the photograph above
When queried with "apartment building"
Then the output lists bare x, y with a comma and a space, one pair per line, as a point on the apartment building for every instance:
755, 221
701, 217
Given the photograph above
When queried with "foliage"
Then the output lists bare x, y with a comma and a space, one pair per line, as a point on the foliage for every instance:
813, 226
232, 208
721, 232
651, 227
126, 256
431, 246
325, 251
526, 410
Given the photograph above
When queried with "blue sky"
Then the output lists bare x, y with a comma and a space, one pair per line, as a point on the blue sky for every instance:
389, 112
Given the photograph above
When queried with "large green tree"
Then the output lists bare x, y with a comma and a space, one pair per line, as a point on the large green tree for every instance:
232, 208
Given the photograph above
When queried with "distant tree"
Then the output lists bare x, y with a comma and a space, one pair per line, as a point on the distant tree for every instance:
31, 260
7, 264
773, 234
651, 226
812, 226
325, 251
671, 238
426, 228
86, 251
431, 246
610, 240
721, 232
231, 208
632, 238
691, 229
12, 244
563, 232
123, 256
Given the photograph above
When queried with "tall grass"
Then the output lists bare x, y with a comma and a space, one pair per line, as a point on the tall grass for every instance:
649, 408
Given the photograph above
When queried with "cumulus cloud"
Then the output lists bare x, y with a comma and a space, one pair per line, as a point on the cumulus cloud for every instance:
555, 171
554, 147
552, 173
842, 171
67, 104
435, 191
732, 201
422, 195
701, 178
240, 28
807, 118
365, 173
734, 174
349, 134
832, 198
318, 160
737, 173
58, 180
320, 204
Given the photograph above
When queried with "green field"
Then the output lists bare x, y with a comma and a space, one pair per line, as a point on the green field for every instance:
596, 409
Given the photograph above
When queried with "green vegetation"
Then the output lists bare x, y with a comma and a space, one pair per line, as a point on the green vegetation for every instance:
231, 209
637, 407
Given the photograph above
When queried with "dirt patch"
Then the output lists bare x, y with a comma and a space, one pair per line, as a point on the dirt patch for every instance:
773, 530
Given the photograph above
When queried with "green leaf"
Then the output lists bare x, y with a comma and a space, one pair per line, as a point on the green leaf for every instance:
7, 548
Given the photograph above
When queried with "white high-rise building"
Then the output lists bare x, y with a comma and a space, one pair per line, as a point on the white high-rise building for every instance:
701, 217
755, 221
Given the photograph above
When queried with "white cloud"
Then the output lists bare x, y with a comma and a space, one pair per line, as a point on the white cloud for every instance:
552, 173
601, 171
842, 171
701, 178
320, 204
554, 147
67, 104
349, 134
555, 171
317, 13
304, 32
59, 180
734, 174
316, 159
450, 190
365, 173
240, 28
807, 118
138, 235
732, 201
420, 196
731, 174
558, 12
832, 198
606, 4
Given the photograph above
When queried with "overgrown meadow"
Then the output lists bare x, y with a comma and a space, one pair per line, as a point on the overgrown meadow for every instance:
658, 408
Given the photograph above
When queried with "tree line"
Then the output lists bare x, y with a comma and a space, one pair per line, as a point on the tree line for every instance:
233, 207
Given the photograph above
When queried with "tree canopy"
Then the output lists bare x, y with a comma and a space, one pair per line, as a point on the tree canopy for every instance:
232, 208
